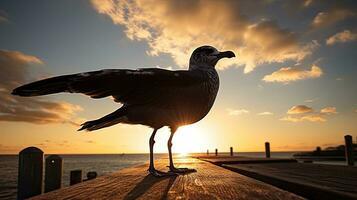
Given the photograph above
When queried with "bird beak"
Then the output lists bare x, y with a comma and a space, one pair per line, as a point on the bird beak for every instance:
226, 54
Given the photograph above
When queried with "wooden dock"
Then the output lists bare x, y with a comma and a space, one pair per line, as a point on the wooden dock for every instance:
313, 181
219, 160
209, 182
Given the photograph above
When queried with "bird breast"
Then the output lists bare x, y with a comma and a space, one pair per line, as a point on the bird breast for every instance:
198, 100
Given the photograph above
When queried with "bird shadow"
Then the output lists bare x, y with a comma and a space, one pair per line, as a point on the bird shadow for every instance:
145, 184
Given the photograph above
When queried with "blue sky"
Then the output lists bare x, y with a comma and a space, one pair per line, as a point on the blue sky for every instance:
76, 36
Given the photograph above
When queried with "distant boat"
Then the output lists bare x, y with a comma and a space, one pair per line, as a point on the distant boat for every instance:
330, 153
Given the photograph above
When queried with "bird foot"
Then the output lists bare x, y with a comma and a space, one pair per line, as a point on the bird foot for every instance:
158, 173
183, 170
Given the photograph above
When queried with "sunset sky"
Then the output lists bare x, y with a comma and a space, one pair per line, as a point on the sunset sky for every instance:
293, 82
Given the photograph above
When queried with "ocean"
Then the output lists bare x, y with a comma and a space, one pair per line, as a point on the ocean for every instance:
101, 163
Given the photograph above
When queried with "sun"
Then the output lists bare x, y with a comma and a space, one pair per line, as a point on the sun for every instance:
189, 139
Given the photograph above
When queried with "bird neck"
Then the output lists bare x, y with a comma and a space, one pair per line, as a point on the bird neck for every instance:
201, 67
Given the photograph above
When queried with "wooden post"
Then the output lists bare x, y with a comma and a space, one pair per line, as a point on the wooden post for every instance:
207, 152
30, 173
216, 152
267, 150
231, 151
75, 177
53, 173
318, 151
91, 175
349, 150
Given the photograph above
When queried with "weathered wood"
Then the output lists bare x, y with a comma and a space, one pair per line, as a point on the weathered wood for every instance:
313, 181
53, 172
216, 152
349, 150
75, 177
209, 182
30, 172
267, 150
231, 151
219, 160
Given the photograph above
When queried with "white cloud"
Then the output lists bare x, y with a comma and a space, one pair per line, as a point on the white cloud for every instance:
314, 117
266, 113
328, 110
237, 111
342, 37
288, 74
332, 16
178, 27
299, 109
310, 100
304, 113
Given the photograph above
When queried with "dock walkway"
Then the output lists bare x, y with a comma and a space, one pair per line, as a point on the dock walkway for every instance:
219, 160
313, 181
209, 182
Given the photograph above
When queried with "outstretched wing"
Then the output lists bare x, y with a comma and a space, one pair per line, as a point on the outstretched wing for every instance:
126, 86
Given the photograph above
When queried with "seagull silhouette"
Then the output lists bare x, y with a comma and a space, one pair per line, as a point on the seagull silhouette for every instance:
152, 97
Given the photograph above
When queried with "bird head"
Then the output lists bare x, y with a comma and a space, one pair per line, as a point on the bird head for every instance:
207, 57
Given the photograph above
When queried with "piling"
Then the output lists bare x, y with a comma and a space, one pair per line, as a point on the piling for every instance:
75, 177
30, 173
349, 150
231, 149
267, 150
91, 175
216, 152
53, 173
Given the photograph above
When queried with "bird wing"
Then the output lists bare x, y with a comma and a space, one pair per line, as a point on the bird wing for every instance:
126, 86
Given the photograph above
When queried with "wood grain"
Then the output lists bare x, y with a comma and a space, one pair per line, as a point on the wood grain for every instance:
209, 182
313, 181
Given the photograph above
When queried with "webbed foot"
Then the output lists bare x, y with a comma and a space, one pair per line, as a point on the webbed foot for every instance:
183, 170
158, 173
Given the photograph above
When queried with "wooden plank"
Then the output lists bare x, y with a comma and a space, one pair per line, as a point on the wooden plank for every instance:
219, 160
209, 182
313, 181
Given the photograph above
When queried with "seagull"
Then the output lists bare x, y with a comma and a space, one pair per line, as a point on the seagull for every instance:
152, 97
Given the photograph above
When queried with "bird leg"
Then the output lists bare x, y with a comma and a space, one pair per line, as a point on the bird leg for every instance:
172, 167
152, 169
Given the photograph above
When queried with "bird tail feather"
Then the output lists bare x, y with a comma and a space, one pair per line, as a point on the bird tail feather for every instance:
44, 87
106, 121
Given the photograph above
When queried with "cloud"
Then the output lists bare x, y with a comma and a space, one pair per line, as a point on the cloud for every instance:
311, 117
237, 111
299, 109
328, 110
332, 16
3, 17
310, 100
14, 72
305, 113
342, 37
307, 3
288, 74
266, 113
178, 27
